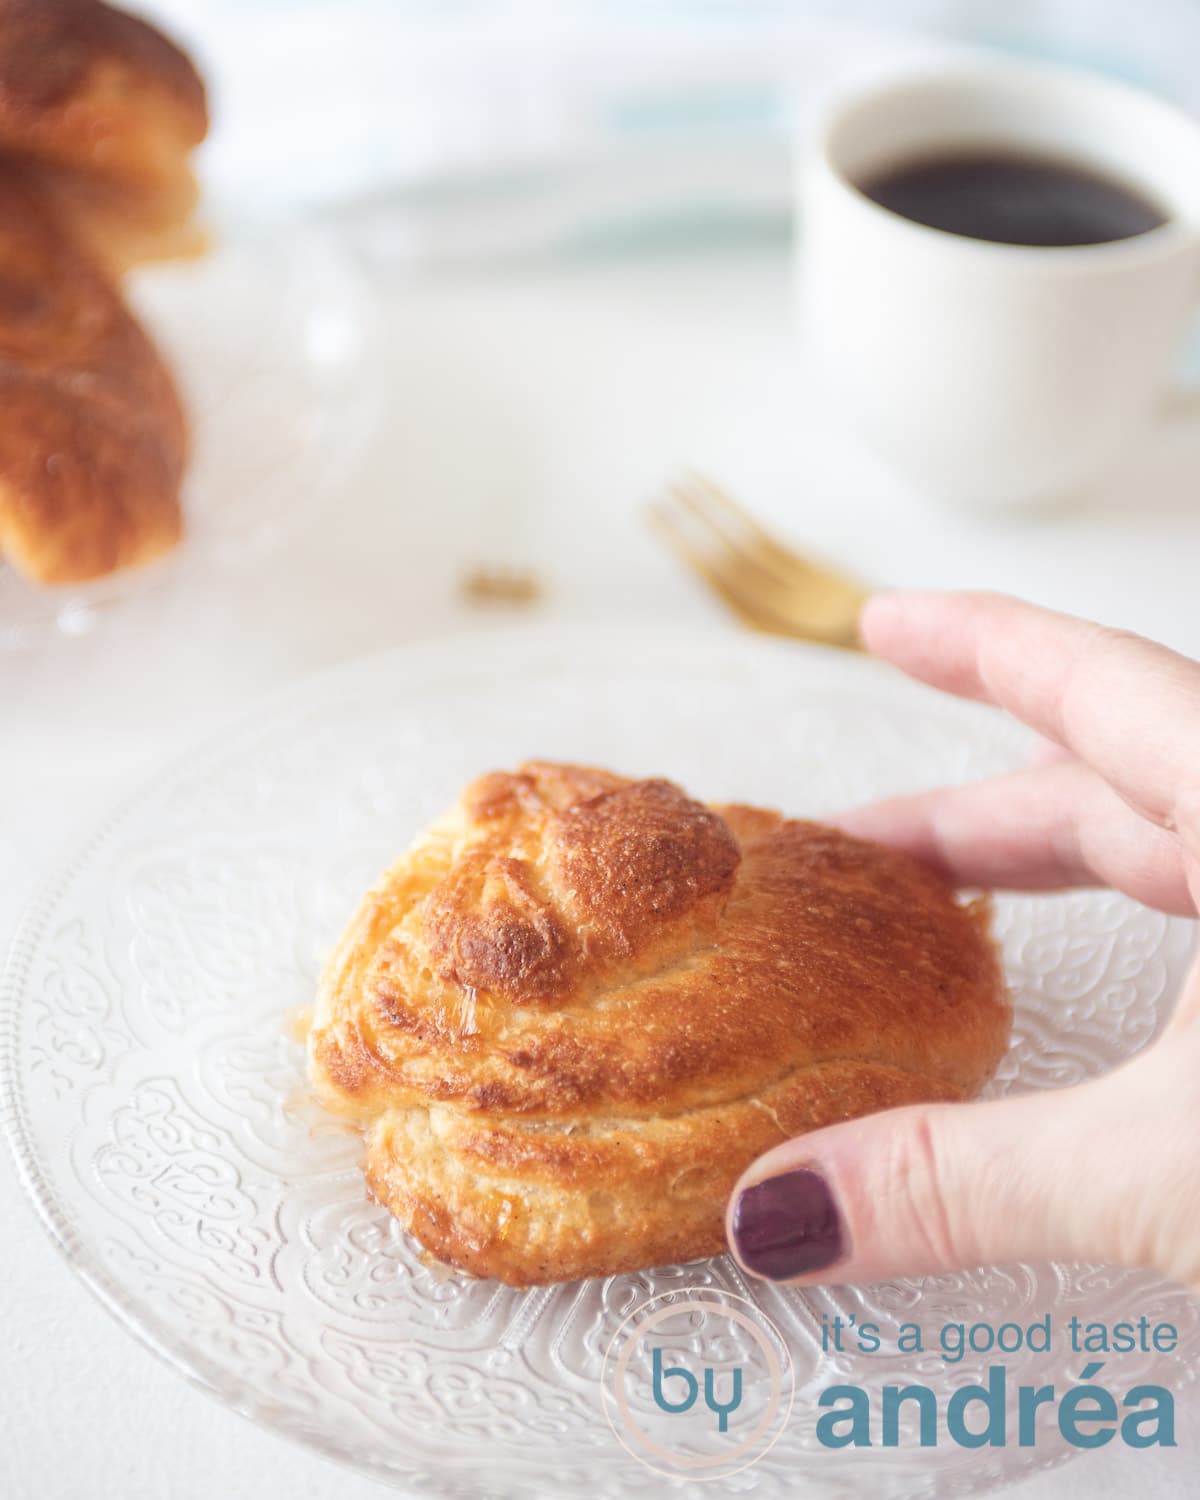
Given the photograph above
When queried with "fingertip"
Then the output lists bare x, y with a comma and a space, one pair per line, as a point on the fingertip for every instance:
879, 612
858, 822
896, 614
890, 616
935, 636
908, 824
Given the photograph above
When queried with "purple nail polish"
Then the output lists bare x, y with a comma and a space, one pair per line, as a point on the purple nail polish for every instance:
787, 1226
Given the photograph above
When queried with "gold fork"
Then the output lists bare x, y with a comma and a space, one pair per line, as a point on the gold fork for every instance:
766, 584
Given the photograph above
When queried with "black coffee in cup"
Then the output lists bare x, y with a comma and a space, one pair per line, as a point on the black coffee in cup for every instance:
1014, 199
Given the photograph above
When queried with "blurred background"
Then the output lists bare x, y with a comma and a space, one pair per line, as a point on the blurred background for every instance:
573, 224
578, 224
586, 124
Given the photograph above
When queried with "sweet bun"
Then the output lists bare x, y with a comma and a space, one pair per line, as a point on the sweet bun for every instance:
107, 110
93, 440
99, 113
579, 1006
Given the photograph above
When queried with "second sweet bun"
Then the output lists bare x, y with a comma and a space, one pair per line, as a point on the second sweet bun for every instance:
106, 111
93, 438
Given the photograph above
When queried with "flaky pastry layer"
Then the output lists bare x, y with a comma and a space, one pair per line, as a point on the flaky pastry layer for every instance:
580, 1005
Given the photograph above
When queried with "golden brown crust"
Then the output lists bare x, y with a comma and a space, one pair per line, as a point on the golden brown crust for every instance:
78, 74
93, 439
109, 110
579, 1006
98, 115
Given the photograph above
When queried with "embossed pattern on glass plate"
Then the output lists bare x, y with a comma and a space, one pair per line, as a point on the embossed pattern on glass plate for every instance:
153, 1095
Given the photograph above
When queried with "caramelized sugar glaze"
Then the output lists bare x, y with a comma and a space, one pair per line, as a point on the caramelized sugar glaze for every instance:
580, 1005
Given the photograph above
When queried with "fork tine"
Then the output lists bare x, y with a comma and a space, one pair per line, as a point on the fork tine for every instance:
728, 549
769, 587
719, 548
778, 566
774, 583
721, 579
794, 569
726, 504
728, 579
722, 525
719, 501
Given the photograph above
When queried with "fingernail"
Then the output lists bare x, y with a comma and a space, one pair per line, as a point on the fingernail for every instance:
787, 1226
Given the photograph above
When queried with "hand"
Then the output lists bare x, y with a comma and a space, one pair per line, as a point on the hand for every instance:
1108, 1170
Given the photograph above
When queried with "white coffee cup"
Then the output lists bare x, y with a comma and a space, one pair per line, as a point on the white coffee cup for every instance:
989, 373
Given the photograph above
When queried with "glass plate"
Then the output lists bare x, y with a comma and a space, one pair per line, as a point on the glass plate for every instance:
268, 338
152, 1086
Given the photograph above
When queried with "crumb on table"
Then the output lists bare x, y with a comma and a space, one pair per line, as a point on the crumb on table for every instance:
491, 585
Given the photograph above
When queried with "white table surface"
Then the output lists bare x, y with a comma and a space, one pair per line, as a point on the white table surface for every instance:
529, 415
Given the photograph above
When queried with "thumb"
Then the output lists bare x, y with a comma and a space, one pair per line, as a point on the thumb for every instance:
1104, 1171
